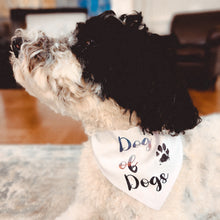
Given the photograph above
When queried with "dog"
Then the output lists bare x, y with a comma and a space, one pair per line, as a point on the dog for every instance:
149, 155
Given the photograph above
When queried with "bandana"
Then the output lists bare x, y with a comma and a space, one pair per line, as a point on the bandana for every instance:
144, 166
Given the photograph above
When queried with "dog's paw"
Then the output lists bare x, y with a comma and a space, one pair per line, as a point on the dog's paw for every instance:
163, 153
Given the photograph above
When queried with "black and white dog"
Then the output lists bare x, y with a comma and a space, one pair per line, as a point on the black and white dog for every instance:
140, 160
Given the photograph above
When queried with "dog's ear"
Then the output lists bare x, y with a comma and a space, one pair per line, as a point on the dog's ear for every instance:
136, 69
167, 106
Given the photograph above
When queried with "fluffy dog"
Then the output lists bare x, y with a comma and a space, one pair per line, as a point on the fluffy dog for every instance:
119, 79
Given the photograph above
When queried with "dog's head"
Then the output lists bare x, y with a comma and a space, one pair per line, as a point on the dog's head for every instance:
107, 59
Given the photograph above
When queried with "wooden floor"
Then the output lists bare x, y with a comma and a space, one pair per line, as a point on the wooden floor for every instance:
207, 102
24, 120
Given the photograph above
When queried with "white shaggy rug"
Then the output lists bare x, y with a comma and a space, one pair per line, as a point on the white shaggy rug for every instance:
37, 181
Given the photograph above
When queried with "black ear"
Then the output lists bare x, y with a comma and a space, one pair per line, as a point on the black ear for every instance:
168, 106
136, 69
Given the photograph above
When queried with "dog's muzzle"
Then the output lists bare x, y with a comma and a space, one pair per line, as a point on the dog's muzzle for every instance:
16, 45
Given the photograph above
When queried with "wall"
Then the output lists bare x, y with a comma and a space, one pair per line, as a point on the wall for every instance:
122, 6
158, 14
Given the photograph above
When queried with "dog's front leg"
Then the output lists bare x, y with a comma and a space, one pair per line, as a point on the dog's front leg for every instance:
92, 190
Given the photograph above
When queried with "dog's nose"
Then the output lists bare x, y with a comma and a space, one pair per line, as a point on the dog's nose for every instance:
16, 45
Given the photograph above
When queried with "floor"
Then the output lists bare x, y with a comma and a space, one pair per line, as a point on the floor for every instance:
24, 120
207, 102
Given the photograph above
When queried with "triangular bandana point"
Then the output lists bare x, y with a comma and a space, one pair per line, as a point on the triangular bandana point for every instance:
144, 166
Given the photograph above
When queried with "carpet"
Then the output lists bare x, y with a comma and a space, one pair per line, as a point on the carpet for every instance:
37, 181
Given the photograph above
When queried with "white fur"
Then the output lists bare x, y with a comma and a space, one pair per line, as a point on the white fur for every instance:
57, 81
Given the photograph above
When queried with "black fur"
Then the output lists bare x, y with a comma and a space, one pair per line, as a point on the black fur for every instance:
137, 69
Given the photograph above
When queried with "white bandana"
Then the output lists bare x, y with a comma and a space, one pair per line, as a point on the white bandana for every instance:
143, 166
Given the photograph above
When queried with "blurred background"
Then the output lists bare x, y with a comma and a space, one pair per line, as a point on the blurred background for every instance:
192, 28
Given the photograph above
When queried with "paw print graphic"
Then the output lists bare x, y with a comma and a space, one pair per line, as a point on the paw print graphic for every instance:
163, 153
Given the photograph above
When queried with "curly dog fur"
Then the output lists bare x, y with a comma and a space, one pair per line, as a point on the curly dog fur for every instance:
117, 53
112, 73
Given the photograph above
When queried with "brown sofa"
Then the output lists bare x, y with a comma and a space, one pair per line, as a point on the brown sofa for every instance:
198, 50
